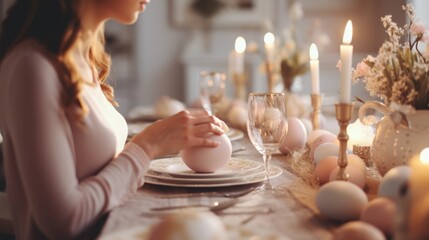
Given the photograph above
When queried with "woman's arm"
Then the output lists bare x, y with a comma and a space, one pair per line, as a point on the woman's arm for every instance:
62, 207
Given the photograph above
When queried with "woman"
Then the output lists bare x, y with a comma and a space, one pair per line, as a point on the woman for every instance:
65, 160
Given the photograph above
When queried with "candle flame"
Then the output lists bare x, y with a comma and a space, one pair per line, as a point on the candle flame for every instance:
240, 44
269, 38
314, 54
348, 33
424, 156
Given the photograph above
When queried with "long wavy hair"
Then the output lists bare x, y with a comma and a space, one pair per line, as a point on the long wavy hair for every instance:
55, 24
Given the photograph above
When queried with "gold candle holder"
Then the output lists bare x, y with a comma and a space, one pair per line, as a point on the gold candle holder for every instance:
270, 77
316, 103
239, 80
343, 112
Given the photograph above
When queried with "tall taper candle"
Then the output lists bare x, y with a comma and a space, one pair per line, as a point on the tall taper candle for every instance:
314, 67
346, 52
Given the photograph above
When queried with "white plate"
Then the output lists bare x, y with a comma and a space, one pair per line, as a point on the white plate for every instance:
177, 168
256, 178
234, 134
237, 177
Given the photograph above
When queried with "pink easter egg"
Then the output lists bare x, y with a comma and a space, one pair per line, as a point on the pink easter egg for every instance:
353, 159
356, 175
208, 159
381, 213
312, 136
296, 136
324, 168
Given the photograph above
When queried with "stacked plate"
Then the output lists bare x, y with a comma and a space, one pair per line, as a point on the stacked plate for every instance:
239, 171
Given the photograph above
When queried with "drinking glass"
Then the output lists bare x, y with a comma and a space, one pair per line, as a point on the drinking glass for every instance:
212, 89
267, 126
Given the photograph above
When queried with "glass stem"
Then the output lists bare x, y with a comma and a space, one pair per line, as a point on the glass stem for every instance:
267, 160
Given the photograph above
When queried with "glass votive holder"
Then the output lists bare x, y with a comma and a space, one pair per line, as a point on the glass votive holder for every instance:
364, 153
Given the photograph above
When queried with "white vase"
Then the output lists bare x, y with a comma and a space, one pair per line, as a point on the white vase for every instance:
398, 137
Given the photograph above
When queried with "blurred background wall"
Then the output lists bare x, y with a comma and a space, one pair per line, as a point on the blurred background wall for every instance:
164, 51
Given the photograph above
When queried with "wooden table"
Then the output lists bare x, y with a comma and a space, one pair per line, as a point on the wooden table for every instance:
258, 216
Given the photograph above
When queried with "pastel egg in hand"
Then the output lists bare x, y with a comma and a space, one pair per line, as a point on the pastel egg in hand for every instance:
208, 159
296, 136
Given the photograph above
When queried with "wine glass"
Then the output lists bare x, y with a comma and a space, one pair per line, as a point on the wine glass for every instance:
267, 126
212, 89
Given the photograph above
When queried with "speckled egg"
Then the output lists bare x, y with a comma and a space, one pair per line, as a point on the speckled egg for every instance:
315, 134
393, 181
324, 168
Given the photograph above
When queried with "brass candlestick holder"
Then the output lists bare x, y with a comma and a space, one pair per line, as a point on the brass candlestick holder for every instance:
316, 103
343, 112
270, 77
239, 80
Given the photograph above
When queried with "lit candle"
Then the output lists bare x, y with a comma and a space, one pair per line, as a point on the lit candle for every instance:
236, 58
269, 41
359, 134
419, 185
314, 66
346, 53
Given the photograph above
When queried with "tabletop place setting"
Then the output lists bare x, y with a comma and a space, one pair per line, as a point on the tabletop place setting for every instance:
296, 165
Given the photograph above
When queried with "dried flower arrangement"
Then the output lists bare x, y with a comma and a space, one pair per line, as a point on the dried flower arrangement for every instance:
399, 74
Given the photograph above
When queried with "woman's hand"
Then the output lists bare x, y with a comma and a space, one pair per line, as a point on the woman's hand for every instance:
182, 130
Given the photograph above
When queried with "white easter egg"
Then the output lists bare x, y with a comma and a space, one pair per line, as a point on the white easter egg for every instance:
296, 136
190, 225
341, 201
324, 138
393, 181
208, 159
324, 150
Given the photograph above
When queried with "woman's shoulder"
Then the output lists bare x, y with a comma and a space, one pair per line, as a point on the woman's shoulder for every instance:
28, 52
29, 69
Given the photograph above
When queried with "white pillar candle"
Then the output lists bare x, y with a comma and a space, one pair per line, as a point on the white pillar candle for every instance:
346, 53
236, 56
314, 67
269, 41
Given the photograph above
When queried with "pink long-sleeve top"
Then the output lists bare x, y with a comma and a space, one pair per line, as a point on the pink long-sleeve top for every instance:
60, 177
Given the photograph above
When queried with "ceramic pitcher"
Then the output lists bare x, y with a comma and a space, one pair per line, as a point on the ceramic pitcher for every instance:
398, 137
